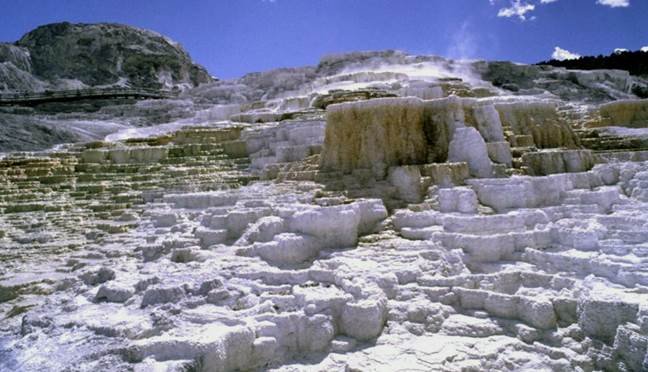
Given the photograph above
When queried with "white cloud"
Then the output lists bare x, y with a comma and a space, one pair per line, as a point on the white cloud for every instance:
644, 49
620, 50
521, 8
562, 54
517, 9
614, 3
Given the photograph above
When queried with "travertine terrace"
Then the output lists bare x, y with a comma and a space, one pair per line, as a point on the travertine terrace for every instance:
371, 214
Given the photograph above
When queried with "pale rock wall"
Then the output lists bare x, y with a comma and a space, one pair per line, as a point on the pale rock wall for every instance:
468, 146
458, 199
616, 79
198, 135
500, 152
626, 113
287, 141
219, 348
364, 320
287, 248
532, 192
125, 155
551, 162
520, 192
484, 117
422, 90
601, 317
539, 119
407, 179
303, 234
335, 226
488, 123
446, 174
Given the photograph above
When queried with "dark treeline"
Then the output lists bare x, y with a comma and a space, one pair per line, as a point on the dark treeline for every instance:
634, 62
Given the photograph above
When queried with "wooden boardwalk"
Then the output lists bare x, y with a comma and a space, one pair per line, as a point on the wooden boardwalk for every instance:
33, 98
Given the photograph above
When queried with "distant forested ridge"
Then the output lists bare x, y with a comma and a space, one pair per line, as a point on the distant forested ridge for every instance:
634, 62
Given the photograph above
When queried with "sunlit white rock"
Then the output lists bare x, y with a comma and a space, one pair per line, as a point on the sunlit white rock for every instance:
469, 146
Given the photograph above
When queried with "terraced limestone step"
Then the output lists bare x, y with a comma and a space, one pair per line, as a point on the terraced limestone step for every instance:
108, 186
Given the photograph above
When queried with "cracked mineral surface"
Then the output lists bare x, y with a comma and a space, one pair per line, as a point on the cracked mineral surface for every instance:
381, 212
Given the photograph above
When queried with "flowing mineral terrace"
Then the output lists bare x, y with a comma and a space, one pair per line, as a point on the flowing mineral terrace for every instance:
414, 226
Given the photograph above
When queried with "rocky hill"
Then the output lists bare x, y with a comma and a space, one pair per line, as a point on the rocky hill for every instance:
66, 55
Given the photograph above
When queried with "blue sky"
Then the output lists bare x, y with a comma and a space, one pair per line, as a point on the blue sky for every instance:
234, 37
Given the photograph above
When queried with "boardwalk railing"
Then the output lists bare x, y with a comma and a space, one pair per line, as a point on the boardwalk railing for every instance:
78, 94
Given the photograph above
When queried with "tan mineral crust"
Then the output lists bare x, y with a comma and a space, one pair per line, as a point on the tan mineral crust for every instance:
625, 113
374, 134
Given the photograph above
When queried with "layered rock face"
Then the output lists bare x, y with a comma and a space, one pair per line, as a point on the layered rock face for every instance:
383, 133
427, 231
628, 113
539, 120
374, 134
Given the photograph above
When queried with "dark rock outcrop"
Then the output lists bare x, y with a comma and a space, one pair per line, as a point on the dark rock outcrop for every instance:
97, 55
593, 86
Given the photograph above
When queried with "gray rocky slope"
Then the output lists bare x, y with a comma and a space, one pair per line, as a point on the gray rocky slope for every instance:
66, 55
377, 212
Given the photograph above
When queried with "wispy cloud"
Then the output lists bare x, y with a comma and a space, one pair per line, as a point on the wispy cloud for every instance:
614, 3
561, 54
522, 9
517, 9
